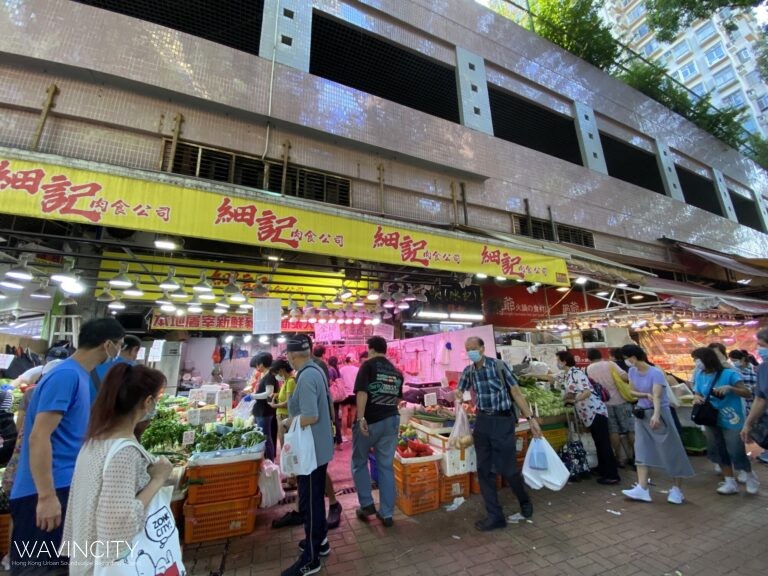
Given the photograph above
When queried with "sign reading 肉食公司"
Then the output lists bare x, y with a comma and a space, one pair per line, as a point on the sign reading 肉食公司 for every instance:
43, 190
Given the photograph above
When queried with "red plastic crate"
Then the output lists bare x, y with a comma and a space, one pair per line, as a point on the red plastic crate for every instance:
208, 484
454, 486
220, 520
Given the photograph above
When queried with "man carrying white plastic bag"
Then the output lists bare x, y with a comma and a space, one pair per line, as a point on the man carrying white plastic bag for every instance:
307, 449
543, 468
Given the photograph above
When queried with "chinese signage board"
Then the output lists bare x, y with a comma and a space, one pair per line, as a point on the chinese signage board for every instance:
515, 307
220, 322
49, 191
266, 316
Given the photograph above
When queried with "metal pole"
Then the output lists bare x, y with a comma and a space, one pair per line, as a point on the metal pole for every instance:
51, 93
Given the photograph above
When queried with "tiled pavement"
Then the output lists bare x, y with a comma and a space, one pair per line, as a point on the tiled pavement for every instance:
572, 533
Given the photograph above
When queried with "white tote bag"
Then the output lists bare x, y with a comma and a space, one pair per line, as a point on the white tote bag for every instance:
298, 456
156, 549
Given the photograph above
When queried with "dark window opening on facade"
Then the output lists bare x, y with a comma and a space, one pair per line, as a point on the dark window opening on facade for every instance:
699, 191
631, 164
524, 123
573, 235
537, 228
233, 23
746, 211
359, 60
222, 166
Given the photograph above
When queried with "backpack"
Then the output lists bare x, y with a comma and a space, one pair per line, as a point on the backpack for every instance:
599, 390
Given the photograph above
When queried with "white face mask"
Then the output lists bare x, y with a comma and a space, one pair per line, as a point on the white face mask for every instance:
630, 362
111, 358
151, 414
280, 379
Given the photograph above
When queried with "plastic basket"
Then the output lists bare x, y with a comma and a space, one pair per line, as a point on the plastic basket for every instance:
694, 440
205, 522
416, 478
223, 481
556, 436
5, 533
412, 504
454, 486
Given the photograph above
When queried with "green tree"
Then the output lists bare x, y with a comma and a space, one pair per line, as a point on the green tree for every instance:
576, 26
757, 150
654, 82
668, 17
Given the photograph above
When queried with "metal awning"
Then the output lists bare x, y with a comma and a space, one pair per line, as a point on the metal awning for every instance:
724, 261
703, 298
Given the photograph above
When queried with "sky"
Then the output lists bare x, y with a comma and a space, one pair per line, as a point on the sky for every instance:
762, 14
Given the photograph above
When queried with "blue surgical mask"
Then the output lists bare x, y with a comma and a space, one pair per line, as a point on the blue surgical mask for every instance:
474, 355
151, 414
763, 353
698, 364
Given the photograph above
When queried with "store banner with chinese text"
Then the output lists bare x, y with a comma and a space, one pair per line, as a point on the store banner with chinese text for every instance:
217, 322
49, 191
515, 307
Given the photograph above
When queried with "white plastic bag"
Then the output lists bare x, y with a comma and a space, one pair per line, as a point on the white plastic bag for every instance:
537, 454
461, 434
554, 477
269, 484
298, 456
154, 550
244, 408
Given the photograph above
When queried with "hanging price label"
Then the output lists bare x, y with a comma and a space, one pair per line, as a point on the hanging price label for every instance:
430, 399
188, 438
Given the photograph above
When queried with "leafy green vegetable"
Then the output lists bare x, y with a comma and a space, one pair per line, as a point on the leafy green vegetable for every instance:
165, 430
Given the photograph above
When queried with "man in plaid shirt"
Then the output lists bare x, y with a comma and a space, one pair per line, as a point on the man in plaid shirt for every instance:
494, 433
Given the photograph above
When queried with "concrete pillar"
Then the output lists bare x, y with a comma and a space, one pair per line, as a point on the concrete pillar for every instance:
762, 209
286, 32
723, 196
474, 105
592, 155
668, 173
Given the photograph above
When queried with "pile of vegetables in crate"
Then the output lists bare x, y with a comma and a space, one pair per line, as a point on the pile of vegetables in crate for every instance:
409, 445
165, 435
544, 402
241, 437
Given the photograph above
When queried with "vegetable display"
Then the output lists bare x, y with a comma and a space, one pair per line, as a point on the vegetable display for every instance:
213, 441
166, 430
546, 403
409, 445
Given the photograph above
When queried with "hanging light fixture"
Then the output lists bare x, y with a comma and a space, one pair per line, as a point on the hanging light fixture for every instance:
292, 304
203, 285
232, 286
164, 299
389, 304
169, 307
20, 271
219, 310
337, 299
116, 305
11, 284
403, 305
180, 293
410, 296
194, 308
260, 291
121, 280
247, 338
65, 274
2, 295
134, 291
42, 292
207, 296
323, 305
359, 302
170, 284
165, 243
376, 320
68, 301
246, 306
345, 292
105, 296
373, 295
222, 304
72, 286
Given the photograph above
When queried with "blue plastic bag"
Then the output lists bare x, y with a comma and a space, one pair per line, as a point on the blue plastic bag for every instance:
538, 455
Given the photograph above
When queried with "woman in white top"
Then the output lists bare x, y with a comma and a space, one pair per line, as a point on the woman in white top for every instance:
109, 505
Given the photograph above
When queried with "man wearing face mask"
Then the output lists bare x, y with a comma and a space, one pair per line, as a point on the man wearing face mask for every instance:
128, 354
57, 420
494, 433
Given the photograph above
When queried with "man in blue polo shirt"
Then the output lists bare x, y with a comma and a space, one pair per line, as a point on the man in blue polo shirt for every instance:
129, 353
57, 420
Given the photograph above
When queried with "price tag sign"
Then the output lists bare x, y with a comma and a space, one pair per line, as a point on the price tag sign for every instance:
156, 352
188, 438
196, 395
142, 354
430, 399
5, 360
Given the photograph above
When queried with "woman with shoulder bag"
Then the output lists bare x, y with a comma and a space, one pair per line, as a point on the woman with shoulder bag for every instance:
593, 414
719, 391
657, 442
116, 480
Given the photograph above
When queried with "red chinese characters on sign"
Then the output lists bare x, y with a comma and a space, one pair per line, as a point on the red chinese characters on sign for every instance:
270, 227
509, 265
411, 250
62, 196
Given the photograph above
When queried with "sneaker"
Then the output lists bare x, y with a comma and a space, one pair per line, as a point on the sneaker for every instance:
638, 493
302, 568
526, 509
291, 518
608, 481
742, 477
718, 470
325, 547
334, 515
364, 512
728, 487
387, 522
753, 484
675, 496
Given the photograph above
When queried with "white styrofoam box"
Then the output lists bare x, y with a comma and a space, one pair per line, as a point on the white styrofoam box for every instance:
456, 461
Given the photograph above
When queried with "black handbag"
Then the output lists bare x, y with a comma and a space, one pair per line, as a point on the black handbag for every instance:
705, 414
759, 431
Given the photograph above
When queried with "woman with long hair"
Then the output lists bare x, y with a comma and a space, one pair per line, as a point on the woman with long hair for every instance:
726, 391
657, 442
108, 503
